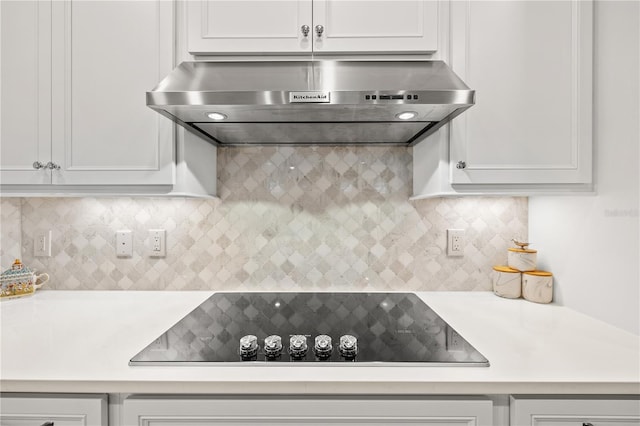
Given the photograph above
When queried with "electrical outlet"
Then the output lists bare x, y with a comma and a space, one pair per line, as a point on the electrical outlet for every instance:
157, 242
124, 243
455, 242
454, 341
42, 244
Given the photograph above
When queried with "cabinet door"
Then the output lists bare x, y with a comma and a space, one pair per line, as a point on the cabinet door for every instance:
530, 63
106, 55
572, 411
234, 411
393, 26
258, 26
25, 101
62, 410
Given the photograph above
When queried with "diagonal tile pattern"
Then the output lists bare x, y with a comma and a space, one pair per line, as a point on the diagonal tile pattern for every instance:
303, 218
10, 224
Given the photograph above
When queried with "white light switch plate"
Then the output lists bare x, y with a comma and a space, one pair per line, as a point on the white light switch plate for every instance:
42, 244
124, 243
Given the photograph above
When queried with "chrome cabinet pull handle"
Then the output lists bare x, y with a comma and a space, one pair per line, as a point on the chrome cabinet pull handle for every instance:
47, 424
52, 166
305, 30
587, 424
38, 165
319, 30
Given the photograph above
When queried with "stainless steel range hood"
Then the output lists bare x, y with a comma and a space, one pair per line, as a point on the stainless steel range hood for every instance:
311, 102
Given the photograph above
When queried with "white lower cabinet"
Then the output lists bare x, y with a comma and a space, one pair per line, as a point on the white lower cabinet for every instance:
317, 411
542, 410
22, 409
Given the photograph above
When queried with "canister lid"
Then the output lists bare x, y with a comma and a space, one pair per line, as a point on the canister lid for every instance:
519, 250
539, 273
502, 268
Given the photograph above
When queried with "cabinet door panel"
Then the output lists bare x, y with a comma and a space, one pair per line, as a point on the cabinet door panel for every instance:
28, 420
327, 421
106, 56
61, 409
579, 421
259, 26
392, 26
244, 411
570, 411
530, 64
25, 102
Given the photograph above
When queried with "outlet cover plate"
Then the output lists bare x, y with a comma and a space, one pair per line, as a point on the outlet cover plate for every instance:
157, 242
455, 242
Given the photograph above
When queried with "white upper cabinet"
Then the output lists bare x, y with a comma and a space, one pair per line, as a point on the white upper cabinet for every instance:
106, 55
231, 26
25, 104
394, 26
530, 63
303, 26
74, 76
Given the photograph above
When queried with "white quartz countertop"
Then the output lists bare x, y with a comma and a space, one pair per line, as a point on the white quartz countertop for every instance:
81, 341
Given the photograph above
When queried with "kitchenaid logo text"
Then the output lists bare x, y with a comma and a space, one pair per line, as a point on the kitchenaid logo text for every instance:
309, 97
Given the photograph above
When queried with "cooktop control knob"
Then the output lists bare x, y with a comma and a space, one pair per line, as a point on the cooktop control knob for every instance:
323, 346
298, 346
248, 346
273, 346
348, 346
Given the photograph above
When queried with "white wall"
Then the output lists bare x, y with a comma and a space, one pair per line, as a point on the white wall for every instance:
590, 243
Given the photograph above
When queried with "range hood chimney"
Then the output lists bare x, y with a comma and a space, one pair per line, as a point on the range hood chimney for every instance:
311, 102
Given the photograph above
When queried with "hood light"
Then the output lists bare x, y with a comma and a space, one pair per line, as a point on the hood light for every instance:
216, 116
407, 115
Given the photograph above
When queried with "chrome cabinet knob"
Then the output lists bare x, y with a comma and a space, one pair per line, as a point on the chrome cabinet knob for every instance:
52, 166
319, 30
38, 165
305, 30
348, 346
273, 346
461, 165
323, 346
248, 346
298, 346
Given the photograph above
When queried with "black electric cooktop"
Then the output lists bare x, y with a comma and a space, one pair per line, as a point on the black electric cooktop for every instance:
311, 329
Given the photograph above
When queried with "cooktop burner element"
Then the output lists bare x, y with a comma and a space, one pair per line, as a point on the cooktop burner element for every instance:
303, 328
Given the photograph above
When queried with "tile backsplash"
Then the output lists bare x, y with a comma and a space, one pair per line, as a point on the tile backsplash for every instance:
10, 234
305, 218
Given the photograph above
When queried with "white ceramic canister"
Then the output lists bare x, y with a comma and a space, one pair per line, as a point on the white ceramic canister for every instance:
507, 282
537, 286
522, 259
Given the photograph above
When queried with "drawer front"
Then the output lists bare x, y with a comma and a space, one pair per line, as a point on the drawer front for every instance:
250, 411
575, 411
44, 419
585, 421
60, 409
